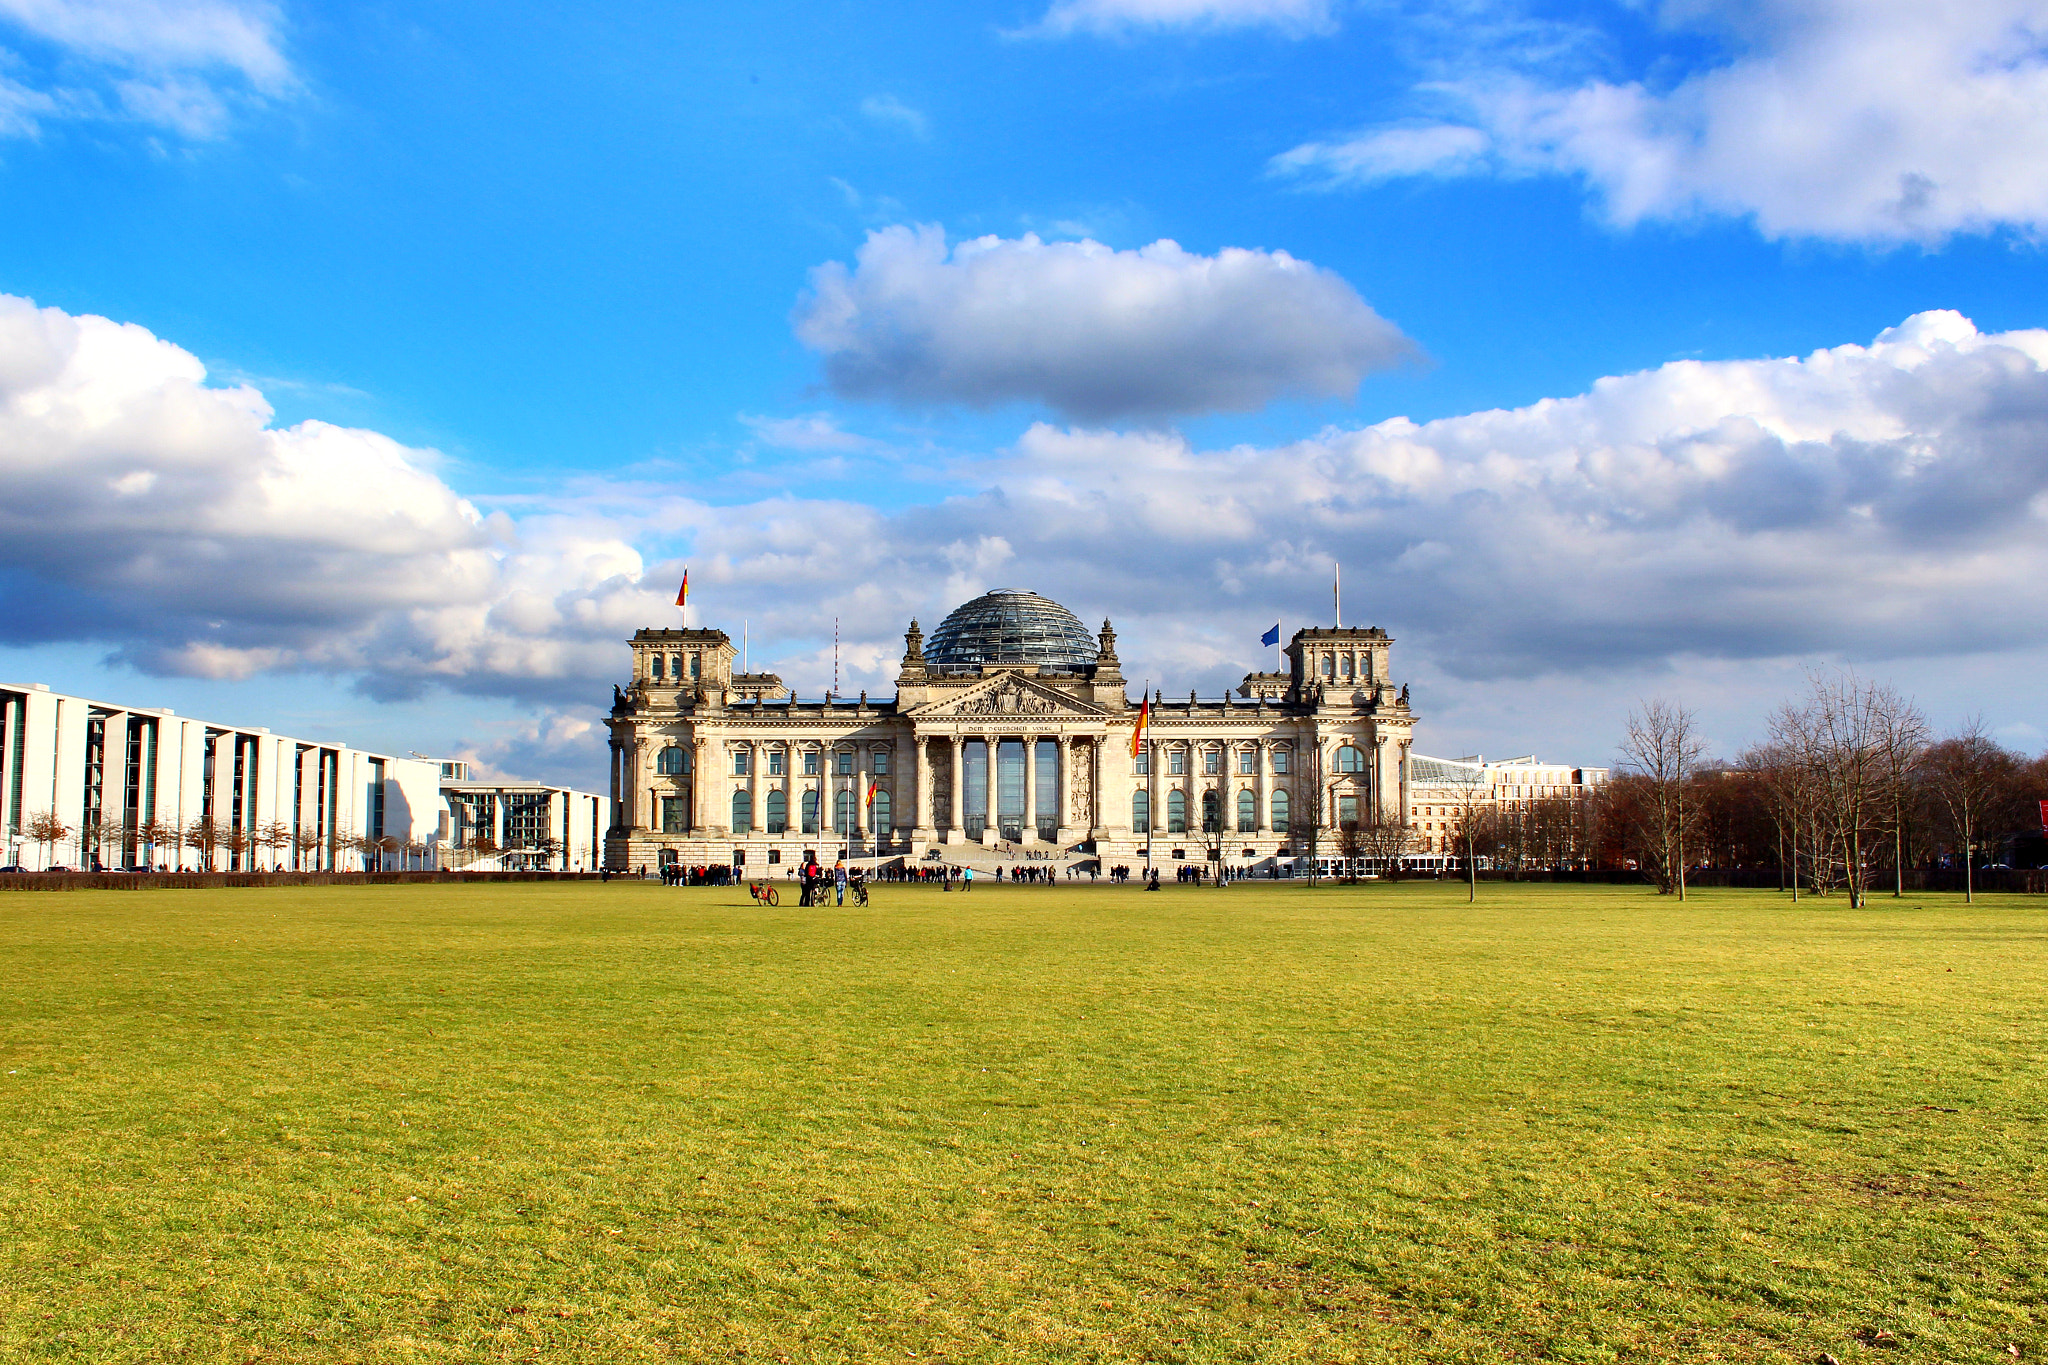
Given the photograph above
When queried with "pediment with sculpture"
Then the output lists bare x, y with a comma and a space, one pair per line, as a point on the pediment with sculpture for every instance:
1008, 695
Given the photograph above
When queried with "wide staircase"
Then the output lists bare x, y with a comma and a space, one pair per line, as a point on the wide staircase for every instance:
1003, 854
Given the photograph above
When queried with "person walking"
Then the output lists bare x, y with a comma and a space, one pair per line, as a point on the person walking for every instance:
839, 881
966, 879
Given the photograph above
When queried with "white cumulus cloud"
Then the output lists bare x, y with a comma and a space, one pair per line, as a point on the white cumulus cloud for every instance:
1093, 333
181, 65
1850, 120
1877, 502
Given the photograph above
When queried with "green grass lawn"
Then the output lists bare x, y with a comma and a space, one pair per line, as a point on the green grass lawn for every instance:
604, 1122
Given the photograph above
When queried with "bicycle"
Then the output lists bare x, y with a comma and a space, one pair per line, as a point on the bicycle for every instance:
860, 893
763, 893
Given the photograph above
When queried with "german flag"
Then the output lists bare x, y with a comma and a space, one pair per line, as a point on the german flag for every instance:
1138, 730
873, 787
683, 593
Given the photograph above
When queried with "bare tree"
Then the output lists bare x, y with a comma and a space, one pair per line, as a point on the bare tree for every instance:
171, 835
45, 828
1972, 777
1901, 737
203, 836
1306, 817
237, 841
1385, 842
274, 837
1662, 746
1837, 736
549, 848
1350, 848
1474, 829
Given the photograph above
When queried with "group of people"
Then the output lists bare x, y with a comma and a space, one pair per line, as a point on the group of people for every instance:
703, 874
819, 883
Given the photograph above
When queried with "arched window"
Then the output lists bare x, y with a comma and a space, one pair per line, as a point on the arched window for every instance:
879, 813
1141, 813
811, 808
696, 667
842, 812
1350, 759
1176, 811
1212, 813
1329, 665
654, 668
1344, 666
742, 812
1247, 811
672, 761
778, 813
1347, 809
675, 667
1280, 811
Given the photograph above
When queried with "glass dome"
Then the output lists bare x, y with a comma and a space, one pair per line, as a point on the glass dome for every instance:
1011, 626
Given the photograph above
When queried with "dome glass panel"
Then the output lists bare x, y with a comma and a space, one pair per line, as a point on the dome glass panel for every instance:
1011, 626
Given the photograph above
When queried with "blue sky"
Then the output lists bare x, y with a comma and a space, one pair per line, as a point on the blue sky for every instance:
574, 300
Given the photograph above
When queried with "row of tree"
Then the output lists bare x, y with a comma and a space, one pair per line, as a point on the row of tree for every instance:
208, 838
1849, 786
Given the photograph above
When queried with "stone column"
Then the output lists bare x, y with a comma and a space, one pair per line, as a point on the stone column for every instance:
1096, 795
1403, 760
828, 790
863, 818
1262, 787
956, 796
699, 817
1063, 815
617, 795
992, 823
1028, 827
921, 815
633, 820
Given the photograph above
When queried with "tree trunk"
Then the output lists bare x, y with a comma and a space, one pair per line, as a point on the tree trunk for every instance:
1969, 867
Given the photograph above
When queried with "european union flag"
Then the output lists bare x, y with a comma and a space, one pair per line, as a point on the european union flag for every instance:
1271, 637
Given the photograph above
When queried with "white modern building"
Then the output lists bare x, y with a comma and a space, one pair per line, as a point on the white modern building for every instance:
85, 782
518, 826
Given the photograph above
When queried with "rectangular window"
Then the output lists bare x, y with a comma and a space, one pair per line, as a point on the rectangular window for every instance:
739, 762
1176, 761
1247, 762
775, 762
1212, 762
1280, 760
810, 763
1141, 763
674, 815
844, 761
881, 763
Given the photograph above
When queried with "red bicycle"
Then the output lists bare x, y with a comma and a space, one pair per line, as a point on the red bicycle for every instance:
763, 893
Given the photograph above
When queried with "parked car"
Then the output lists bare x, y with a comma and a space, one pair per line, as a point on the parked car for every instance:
13, 869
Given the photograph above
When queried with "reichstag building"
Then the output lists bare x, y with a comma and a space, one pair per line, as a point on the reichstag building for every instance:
1010, 737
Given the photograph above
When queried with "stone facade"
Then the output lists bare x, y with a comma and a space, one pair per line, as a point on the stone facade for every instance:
716, 768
